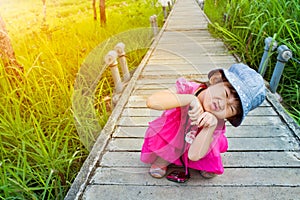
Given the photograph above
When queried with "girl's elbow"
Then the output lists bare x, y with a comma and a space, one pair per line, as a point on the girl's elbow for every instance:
152, 103
149, 102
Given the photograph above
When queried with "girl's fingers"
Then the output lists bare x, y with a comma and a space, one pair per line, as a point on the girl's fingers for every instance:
194, 115
207, 119
195, 106
202, 120
195, 119
194, 123
194, 111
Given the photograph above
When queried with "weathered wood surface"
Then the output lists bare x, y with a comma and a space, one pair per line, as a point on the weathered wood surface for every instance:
263, 160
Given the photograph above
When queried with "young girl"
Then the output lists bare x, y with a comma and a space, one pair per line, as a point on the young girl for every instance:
191, 129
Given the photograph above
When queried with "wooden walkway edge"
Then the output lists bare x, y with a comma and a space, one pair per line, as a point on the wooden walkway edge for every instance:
263, 160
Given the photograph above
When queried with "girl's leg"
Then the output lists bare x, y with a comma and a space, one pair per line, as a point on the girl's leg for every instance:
158, 169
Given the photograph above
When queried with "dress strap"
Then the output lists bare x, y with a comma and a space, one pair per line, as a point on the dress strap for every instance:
199, 91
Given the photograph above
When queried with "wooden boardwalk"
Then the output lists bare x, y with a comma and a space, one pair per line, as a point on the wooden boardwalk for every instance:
263, 160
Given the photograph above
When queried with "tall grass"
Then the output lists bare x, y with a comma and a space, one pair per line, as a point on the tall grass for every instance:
40, 150
246, 26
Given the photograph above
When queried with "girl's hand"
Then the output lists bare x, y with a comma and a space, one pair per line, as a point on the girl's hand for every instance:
207, 119
200, 145
195, 110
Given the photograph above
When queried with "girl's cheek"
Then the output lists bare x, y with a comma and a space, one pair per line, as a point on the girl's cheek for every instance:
221, 115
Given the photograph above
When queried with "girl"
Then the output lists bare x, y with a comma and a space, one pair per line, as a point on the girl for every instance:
191, 129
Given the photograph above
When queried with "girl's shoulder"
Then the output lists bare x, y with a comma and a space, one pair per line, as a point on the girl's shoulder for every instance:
184, 86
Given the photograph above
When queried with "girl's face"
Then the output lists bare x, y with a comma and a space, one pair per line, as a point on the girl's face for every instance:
219, 100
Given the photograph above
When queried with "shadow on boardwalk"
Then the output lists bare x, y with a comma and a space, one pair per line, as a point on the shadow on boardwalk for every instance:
263, 160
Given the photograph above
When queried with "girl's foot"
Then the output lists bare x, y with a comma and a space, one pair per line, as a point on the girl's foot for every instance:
207, 175
157, 171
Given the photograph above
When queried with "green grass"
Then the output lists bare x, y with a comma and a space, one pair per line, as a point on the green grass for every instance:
244, 31
40, 149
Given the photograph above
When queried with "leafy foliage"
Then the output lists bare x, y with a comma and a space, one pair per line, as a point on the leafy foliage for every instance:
40, 150
244, 25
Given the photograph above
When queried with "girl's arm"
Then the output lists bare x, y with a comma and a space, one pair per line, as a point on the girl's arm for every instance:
167, 99
201, 143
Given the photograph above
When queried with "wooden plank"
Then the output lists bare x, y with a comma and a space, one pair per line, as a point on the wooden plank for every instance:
230, 159
171, 80
141, 110
235, 144
171, 38
185, 50
192, 37
137, 104
186, 41
247, 177
205, 68
180, 24
166, 50
179, 72
158, 192
144, 79
242, 131
146, 90
138, 101
198, 36
184, 58
249, 120
171, 64
162, 68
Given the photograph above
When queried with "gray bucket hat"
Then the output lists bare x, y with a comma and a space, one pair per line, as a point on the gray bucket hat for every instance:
248, 84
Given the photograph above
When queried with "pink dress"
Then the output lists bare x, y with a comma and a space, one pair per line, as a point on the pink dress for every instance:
165, 137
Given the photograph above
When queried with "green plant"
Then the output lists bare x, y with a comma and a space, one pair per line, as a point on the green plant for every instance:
244, 31
40, 150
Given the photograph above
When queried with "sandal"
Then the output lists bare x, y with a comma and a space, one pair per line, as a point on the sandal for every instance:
157, 172
207, 175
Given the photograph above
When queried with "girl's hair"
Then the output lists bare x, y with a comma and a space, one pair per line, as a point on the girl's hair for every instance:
232, 91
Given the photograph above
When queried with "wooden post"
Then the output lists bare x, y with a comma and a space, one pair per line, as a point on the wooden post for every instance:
120, 49
164, 4
111, 61
94, 9
169, 6
44, 10
201, 4
7, 54
165, 12
153, 21
102, 13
